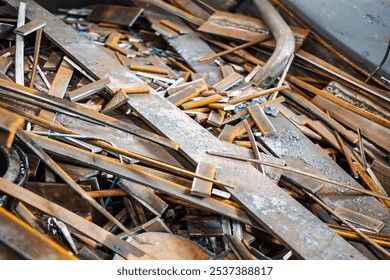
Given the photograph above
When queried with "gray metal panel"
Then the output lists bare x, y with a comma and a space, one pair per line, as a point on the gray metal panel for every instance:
359, 28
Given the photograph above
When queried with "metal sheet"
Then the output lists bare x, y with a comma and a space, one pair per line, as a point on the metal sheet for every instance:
121, 15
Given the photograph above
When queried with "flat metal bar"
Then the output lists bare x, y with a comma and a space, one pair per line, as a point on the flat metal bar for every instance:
183, 95
360, 220
30, 27
57, 89
91, 230
228, 82
199, 186
87, 90
52, 62
261, 120
19, 51
216, 117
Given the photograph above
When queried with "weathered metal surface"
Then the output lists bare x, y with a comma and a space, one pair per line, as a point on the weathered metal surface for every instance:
91, 230
296, 227
358, 28
122, 15
9, 123
28, 243
165, 246
145, 196
188, 45
289, 142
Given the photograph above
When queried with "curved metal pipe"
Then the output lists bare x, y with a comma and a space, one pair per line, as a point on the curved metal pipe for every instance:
285, 44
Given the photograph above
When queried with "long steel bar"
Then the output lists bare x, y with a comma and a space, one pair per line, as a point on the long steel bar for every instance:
141, 176
377, 195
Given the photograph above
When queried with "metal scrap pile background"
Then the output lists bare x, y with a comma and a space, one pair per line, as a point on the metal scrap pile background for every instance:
182, 130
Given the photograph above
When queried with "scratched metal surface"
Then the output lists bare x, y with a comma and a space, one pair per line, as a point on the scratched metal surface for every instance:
289, 142
188, 45
359, 28
289, 221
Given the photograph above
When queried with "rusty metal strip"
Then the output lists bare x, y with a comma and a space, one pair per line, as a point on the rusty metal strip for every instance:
88, 90
199, 186
188, 45
9, 123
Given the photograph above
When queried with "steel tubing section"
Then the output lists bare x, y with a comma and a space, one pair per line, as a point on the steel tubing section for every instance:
285, 44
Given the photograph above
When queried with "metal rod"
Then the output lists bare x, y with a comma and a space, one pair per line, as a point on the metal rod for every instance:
381, 63
253, 144
299, 172
38, 39
243, 46
361, 149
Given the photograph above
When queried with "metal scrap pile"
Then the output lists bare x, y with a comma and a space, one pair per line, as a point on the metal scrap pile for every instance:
179, 131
